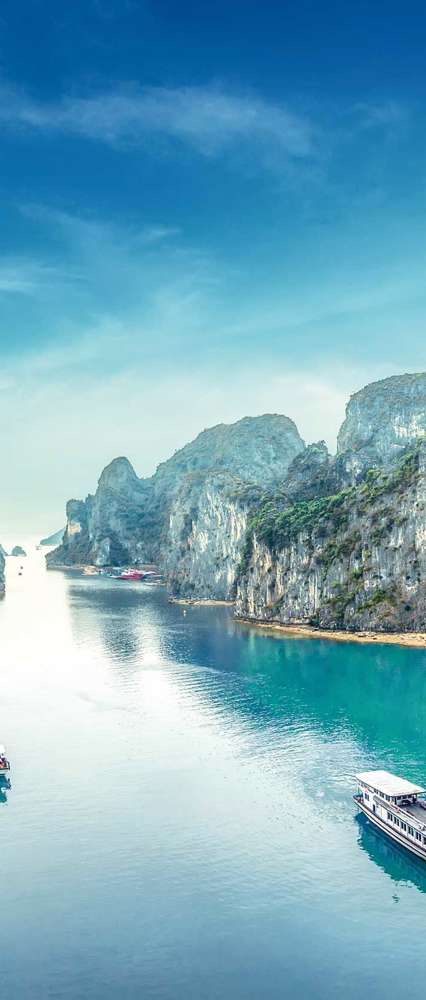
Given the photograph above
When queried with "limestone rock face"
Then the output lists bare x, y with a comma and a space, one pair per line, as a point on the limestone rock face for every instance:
104, 529
202, 490
312, 473
295, 533
131, 520
74, 548
255, 449
381, 420
356, 560
208, 522
18, 551
115, 514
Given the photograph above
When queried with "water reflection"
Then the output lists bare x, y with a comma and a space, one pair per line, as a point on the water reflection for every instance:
372, 695
109, 610
309, 713
398, 863
5, 786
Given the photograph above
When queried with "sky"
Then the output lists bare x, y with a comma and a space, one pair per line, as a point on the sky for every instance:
207, 211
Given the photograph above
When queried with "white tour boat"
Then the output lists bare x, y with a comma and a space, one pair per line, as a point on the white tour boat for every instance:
4, 763
393, 804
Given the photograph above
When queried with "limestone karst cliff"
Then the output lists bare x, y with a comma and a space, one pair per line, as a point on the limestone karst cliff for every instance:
381, 420
206, 534
354, 560
344, 543
294, 533
135, 520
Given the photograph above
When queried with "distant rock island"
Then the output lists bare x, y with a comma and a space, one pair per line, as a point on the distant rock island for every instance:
54, 539
18, 551
248, 512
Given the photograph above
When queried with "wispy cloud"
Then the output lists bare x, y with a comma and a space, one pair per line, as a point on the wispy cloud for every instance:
107, 293
139, 268
207, 118
380, 114
21, 276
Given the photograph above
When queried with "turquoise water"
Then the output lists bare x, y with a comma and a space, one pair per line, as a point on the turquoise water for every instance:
180, 823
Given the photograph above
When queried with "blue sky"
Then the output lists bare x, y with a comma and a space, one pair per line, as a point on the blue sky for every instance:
207, 211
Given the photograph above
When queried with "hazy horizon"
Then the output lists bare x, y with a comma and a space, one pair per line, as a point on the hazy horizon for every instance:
205, 215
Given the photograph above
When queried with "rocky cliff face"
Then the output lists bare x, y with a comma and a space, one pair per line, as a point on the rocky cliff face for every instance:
208, 524
354, 560
105, 529
313, 472
211, 500
135, 520
255, 449
295, 533
381, 420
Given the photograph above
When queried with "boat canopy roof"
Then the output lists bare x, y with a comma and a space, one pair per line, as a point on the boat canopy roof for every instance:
388, 783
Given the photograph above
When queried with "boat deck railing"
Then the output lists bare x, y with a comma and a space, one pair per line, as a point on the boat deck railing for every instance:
400, 811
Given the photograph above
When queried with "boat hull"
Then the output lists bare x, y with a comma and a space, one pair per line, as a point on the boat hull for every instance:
393, 834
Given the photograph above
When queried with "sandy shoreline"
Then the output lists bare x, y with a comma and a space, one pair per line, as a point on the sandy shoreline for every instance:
63, 566
209, 602
413, 639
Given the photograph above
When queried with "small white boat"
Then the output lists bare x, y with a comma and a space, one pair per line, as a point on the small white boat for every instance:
393, 805
4, 763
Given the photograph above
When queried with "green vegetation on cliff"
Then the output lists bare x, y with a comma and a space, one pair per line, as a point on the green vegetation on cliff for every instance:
277, 524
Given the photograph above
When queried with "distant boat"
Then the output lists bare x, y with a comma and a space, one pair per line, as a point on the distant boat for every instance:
132, 574
4, 763
394, 806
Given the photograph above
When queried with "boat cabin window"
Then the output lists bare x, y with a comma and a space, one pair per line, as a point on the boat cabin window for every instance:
411, 831
418, 836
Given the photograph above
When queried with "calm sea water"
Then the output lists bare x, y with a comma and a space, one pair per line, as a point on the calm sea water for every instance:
181, 823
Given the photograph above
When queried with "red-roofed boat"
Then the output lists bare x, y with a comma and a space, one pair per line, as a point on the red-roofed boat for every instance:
132, 574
